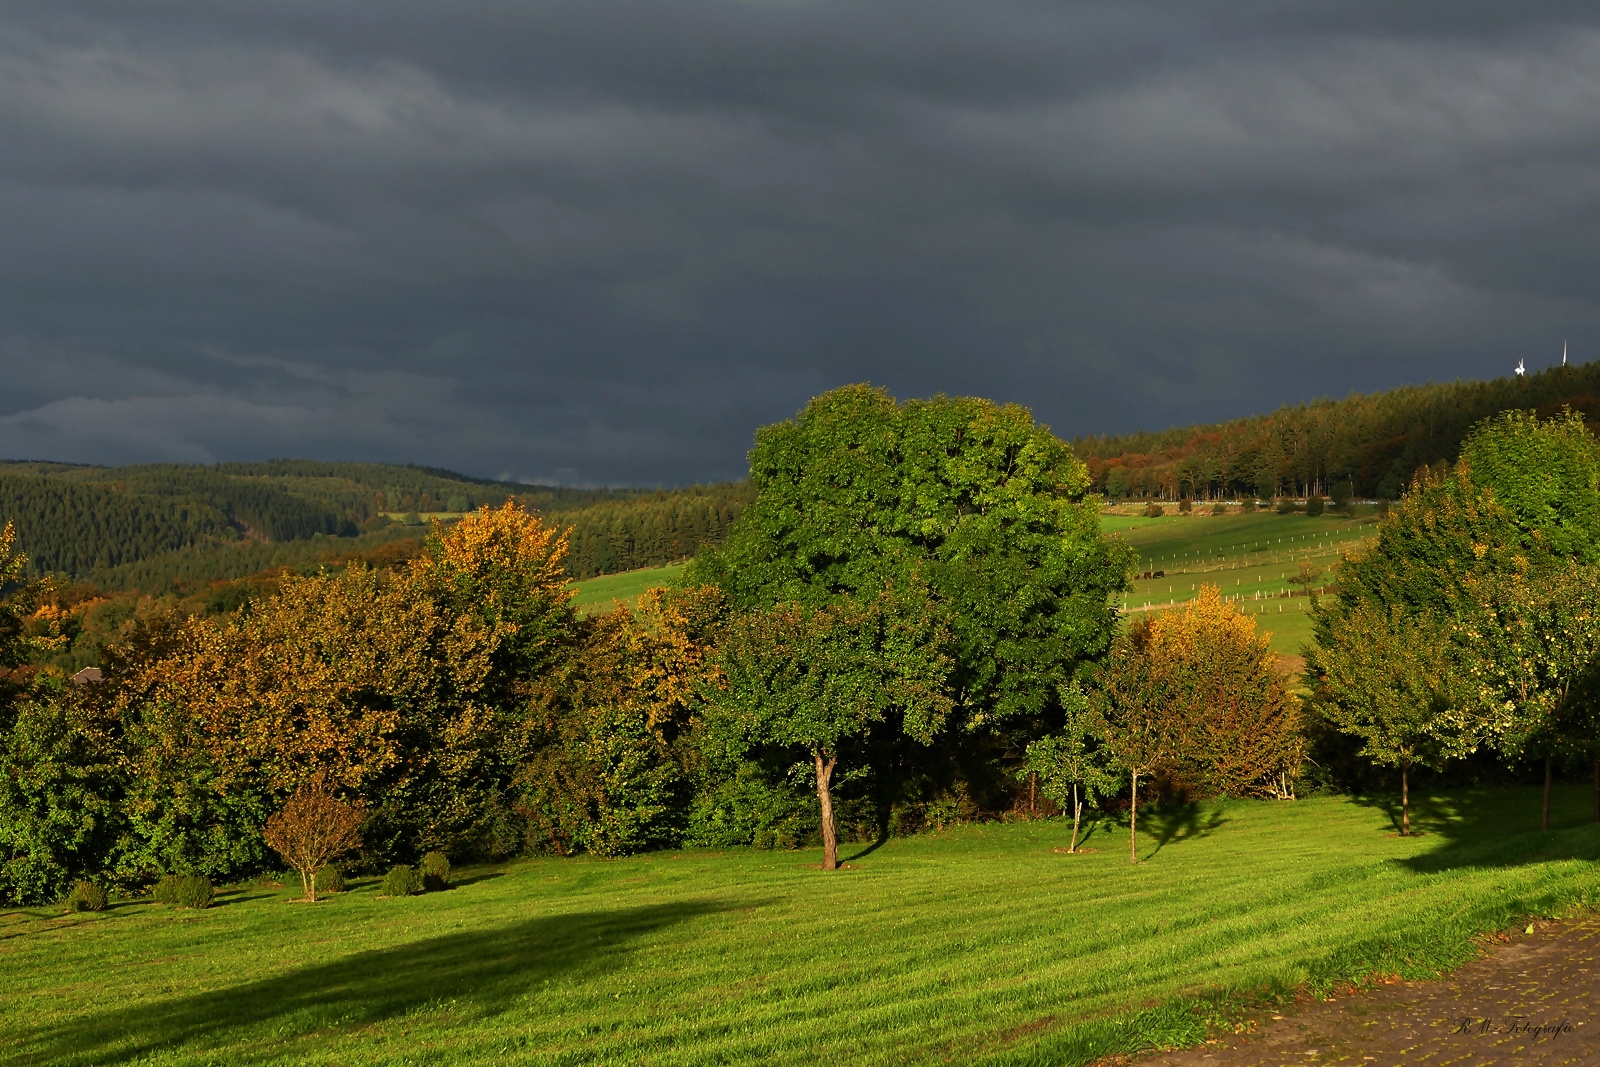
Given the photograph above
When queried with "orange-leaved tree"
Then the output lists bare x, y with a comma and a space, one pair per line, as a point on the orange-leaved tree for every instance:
606, 762
504, 567
1196, 694
314, 828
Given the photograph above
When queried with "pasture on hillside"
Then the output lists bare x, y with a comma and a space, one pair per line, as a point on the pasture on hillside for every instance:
1250, 556
980, 944
596, 596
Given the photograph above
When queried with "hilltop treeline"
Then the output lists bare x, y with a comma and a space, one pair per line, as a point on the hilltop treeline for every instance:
1376, 442
146, 528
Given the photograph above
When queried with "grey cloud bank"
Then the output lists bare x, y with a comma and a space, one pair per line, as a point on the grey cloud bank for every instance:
601, 243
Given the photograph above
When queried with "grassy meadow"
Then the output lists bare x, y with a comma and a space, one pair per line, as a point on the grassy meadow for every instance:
1250, 556
599, 595
980, 944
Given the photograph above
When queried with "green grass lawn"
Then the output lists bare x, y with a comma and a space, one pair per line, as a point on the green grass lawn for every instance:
977, 945
599, 595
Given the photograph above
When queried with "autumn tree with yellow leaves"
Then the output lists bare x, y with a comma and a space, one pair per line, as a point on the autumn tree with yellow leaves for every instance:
1195, 695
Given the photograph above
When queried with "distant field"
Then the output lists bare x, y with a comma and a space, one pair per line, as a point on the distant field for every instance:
599, 595
1250, 556
979, 945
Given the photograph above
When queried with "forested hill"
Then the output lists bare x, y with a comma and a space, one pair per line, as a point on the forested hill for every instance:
1374, 441
144, 527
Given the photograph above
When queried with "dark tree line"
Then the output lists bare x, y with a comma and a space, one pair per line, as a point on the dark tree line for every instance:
651, 531
1376, 442
146, 528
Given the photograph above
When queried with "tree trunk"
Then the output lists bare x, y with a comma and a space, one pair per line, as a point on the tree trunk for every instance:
1549, 775
1133, 822
1405, 802
830, 839
1597, 789
1033, 782
308, 882
1077, 810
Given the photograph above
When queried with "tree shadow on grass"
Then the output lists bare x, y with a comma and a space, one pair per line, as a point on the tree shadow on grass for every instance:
480, 974
1178, 820
474, 878
878, 842
1496, 827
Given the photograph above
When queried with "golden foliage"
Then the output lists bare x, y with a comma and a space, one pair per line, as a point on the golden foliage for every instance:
1196, 694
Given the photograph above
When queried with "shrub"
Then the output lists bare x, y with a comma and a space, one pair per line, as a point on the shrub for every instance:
1314, 504
167, 889
1154, 511
329, 880
401, 881
314, 828
1343, 493
1286, 507
1185, 506
435, 871
1219, 508
86, 896
194, 891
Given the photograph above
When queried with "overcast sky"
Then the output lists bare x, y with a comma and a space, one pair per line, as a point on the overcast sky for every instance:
603, 242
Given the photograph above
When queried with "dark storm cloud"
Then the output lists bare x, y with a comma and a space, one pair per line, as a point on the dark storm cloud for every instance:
602, 242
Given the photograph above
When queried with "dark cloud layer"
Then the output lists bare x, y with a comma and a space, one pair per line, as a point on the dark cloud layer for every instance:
602, 242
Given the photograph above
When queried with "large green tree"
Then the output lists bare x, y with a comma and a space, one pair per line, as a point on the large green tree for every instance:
973, 499
1472, 558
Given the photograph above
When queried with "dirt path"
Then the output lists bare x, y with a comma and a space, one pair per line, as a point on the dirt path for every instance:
1535, 1001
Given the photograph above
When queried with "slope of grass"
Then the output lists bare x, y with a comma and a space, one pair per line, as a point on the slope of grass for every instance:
1250, 556
599, 595
978, 945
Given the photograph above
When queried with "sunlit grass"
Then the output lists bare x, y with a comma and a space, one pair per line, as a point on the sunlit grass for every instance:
602, 594
980, 944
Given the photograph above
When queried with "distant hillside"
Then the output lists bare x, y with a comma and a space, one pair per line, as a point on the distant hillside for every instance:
1376, 441
143, 528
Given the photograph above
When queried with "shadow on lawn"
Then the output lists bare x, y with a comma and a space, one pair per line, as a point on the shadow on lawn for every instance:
1494, 827
479, 974
1175, 820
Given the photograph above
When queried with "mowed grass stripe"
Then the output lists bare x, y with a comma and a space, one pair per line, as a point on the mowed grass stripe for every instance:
977, 942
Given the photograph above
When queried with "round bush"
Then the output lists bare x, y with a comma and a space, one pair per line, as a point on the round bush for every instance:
166, 891
329, 880
194, 891
401, 881
1154, 511
1314, 504
1286, 507
435, 871
86, 896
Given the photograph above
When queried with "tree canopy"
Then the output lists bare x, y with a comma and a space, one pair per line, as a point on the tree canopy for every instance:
971, 498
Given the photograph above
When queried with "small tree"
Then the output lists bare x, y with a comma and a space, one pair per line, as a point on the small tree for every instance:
1306, 578
313, 829
1343, 493
1131, 699
1072, 766
1386, 678
821, 679
1535, 643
